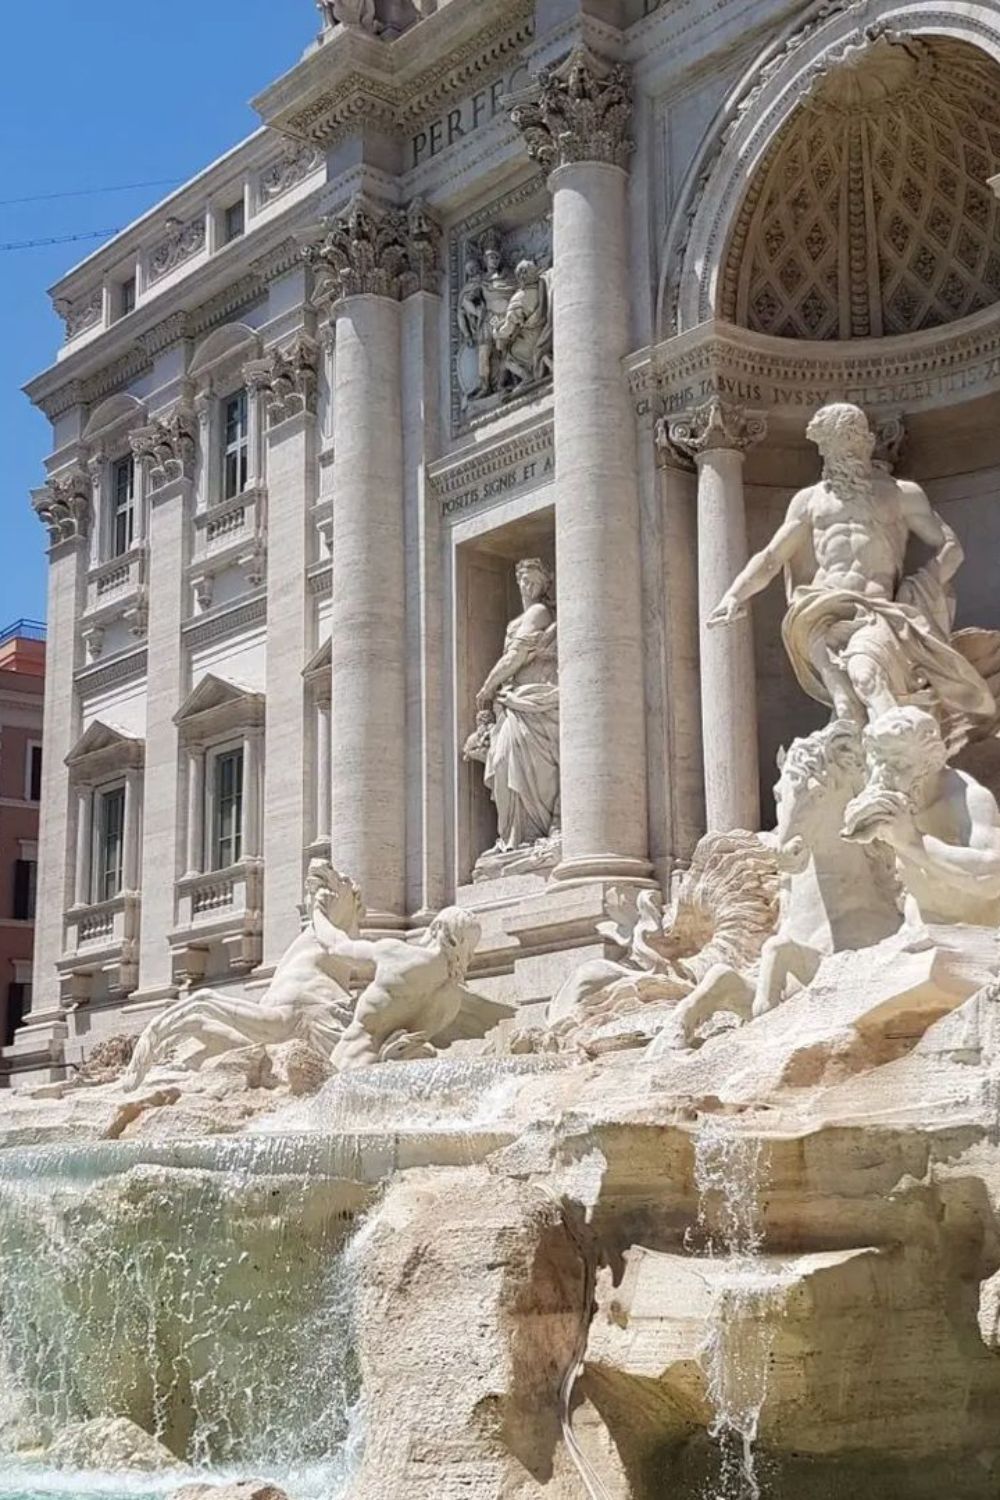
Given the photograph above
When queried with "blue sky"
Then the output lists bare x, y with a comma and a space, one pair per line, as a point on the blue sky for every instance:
93, 94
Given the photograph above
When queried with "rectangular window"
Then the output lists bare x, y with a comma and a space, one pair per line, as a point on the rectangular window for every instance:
227, 809
34, 773
110, 843
126, 297
25, 888
235, 445
235, 221
122, 505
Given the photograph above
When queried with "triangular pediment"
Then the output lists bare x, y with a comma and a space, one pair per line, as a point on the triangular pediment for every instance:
105, 746
213, 693
320, 661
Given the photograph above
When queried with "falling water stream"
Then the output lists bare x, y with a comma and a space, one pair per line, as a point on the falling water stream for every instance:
202, 1289
736, 1354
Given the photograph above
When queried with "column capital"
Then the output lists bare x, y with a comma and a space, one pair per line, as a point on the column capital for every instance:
375, 249
578, 111
286, 379
716, 425
167, 446
65, 506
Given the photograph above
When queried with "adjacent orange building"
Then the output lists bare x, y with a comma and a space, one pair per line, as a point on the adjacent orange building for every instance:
22, 683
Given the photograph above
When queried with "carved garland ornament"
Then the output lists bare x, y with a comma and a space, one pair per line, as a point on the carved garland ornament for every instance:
373, 249
578, 111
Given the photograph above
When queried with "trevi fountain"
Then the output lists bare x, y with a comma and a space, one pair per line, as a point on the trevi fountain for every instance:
716, 1215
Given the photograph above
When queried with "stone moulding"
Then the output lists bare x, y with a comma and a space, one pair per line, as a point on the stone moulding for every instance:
397, 101
513, 465
126, 666
888, 376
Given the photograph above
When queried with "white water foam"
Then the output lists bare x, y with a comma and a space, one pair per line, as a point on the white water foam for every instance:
211, 1304
738, 1344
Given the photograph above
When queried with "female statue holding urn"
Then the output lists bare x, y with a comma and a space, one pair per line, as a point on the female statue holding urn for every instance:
517, 733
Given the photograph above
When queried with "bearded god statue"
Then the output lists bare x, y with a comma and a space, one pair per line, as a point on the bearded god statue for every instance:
875, 644
517, 732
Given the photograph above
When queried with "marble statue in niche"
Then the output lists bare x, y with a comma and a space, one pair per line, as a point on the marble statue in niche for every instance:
862, 636
517, 733
504, 321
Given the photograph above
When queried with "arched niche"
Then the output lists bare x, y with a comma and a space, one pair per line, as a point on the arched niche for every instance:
799, 159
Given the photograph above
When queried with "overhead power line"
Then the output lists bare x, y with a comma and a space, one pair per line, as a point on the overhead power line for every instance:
121, 187
59, 239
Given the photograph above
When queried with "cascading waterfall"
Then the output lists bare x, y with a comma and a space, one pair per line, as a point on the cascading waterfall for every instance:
202, 1289
737, 1349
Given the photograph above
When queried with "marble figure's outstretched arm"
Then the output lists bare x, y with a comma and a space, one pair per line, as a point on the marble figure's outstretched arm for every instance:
762, 569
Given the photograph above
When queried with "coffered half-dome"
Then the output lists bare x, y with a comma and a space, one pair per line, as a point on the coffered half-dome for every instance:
871, 214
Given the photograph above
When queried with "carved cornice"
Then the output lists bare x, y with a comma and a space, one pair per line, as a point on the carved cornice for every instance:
227, 621
716, 425
579, 111
64, 506
180, 243
125, 667
790, 378
358, 99
168, 447
286, 379
375, 249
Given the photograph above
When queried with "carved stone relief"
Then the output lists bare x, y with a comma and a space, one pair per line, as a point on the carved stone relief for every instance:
168, 447
502, 314
286, 379
291, 168
181, 242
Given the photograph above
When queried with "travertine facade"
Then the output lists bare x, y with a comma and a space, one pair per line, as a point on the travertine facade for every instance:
499, 279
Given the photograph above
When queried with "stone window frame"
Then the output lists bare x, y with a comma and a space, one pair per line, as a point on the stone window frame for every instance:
220, 715
107, 440
216, 371
101, 937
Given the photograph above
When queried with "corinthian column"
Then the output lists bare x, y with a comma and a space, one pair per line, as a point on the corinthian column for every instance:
717, 436
372, 257
576, 122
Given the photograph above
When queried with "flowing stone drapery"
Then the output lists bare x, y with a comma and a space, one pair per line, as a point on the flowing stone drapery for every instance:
575, 122
717, 435
371, 257
517, 732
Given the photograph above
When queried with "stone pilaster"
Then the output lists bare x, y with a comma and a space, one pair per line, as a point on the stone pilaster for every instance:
167, 449
65, 507
576, 123
286, 383
717, 436
372, 257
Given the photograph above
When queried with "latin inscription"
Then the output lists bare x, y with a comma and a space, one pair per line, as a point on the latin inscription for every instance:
873, 392
467, 117
523, 474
